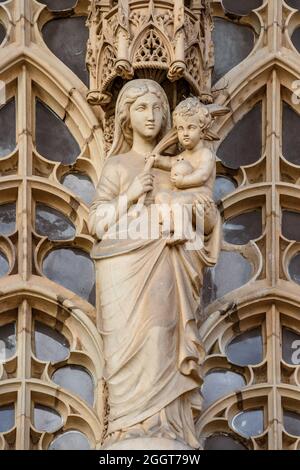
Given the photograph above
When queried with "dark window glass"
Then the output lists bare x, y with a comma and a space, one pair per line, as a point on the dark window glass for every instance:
7, 128
233, 43
54, 141
76, 379
50, 344
222, 442
243, 228
249, 423
73, 34
239, 7
4, 265
7, 218
53, 224
73, 269
7, 417
2, 32
294, 268
46, 419
81, 185
70, 440
290, 134
293, 3
217, 282
223, 186
291, 422
246, 348
290, 346
235, 150
59, 4
296, 38
290, 225
7, 341
219, 383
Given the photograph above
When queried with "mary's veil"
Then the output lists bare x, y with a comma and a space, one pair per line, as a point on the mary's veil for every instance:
130, 92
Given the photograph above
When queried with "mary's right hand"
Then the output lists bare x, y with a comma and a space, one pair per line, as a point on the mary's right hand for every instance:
141, 184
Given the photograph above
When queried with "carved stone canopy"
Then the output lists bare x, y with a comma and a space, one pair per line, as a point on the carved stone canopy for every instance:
168, 41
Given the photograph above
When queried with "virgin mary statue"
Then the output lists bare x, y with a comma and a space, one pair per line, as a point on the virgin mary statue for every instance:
149, 288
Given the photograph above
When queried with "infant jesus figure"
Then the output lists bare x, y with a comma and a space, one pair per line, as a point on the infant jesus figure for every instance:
192, 175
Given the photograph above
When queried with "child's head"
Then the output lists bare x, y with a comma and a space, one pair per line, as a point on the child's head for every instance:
191, 118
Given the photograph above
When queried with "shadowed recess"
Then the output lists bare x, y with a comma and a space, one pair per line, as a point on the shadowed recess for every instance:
61, 264
8, 341
290, 346
246, 348
217, 282
7, 218
59, 4
239, 7
46, 419
7, 417
223, 442
233, 43
224, 185
76, 379
67, 39
235, 150
249, 423
81, 185
291, 422
70, 440
220, 382
54, 141
7, 128
241, 229
290, 134
2, 33
294, 268
49, 344
53, 224
290, 225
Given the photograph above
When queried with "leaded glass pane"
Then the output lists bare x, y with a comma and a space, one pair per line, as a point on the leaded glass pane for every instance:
54, 141
233, 43
241, 229
8, 341
53, 224
73, 34
76, 379
7, 128
235, 150
7, 417
246, 348
63, 265
218, 383
50, 344
81, 185
249, 423
70, 440
46, 419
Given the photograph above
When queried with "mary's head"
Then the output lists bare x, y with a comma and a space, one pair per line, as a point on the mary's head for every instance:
142, 108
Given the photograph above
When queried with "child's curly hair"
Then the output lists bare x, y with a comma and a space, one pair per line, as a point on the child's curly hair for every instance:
191, 107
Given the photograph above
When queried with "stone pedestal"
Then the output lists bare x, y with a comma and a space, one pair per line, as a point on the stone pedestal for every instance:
150, 443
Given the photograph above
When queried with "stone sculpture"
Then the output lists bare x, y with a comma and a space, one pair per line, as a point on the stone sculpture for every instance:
149, 288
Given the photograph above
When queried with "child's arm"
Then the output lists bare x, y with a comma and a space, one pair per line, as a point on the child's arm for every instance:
200, 175
161, 161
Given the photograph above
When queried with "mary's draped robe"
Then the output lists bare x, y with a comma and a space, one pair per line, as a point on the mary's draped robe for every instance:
149, 294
